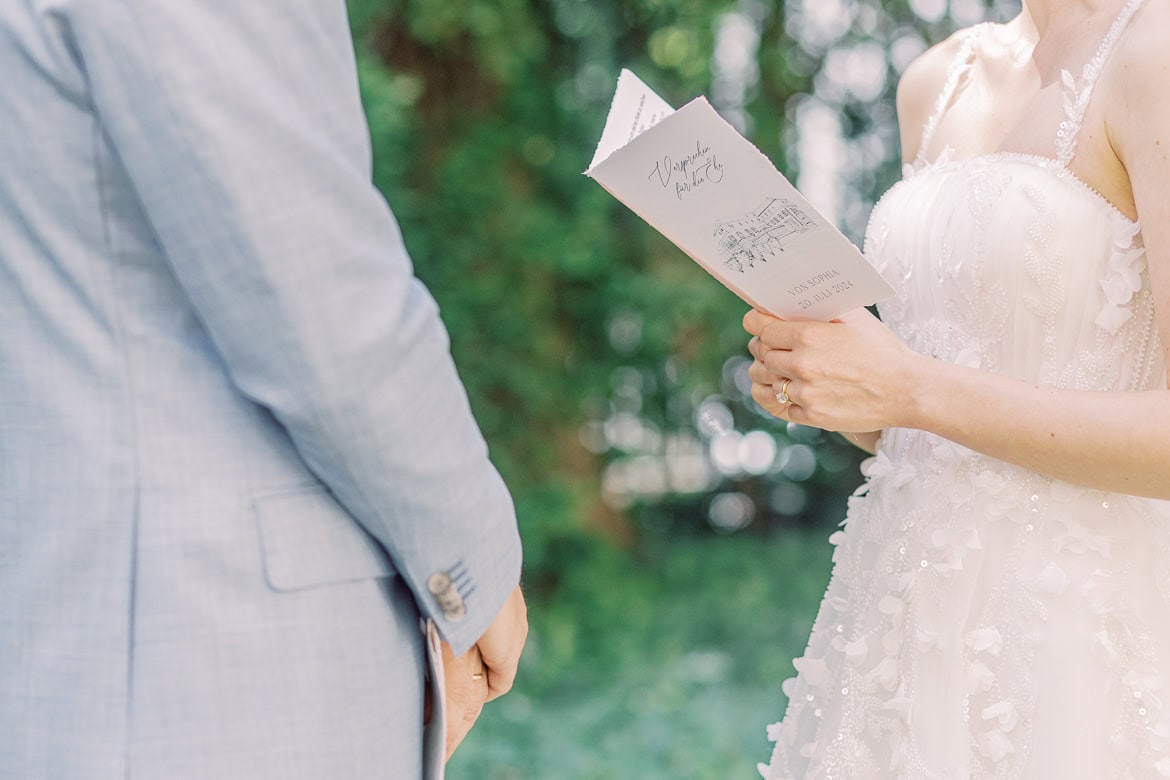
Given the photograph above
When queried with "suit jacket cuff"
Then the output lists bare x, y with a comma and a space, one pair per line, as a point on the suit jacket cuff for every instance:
464, 591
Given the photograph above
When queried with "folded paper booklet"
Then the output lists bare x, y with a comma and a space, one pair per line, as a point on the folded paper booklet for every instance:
694, 178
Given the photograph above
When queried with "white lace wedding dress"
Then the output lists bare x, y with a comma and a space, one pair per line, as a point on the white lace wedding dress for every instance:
984, 621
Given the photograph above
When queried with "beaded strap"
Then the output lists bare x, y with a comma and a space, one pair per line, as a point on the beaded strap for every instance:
959, 67
1077, 94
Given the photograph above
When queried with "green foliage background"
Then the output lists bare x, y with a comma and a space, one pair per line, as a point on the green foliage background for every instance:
658, 644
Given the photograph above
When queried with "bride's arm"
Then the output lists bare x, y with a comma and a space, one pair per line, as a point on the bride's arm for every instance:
855, 375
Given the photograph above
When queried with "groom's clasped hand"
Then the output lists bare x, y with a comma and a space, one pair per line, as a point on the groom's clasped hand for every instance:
486, 671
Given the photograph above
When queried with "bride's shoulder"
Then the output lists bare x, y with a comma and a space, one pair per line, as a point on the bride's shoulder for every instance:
1143, 44
920, 86
1136, 111
1134, 83
1139, 69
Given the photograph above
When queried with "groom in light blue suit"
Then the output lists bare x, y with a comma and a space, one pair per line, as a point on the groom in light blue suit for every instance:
237, 469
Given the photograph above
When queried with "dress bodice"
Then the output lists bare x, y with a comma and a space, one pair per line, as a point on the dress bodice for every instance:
1012, 264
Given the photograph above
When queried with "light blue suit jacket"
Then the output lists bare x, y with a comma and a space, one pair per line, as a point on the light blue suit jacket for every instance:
235, 457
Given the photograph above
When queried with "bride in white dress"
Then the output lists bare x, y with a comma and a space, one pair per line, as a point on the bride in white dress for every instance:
1000, 602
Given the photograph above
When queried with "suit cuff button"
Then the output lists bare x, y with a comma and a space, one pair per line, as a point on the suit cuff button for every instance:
442, 587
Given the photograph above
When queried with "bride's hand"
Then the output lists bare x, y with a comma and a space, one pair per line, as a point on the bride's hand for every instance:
851, 374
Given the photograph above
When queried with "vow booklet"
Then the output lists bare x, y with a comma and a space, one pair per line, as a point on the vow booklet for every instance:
701, 184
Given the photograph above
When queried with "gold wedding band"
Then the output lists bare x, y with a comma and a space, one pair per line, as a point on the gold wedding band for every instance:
782, 396
477, 676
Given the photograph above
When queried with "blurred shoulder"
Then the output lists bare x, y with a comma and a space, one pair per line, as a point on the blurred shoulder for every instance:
920, 86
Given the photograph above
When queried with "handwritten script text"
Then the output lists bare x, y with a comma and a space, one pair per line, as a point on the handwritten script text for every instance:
685, 175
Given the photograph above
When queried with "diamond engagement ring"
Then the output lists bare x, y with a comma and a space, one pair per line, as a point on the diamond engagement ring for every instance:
782, 396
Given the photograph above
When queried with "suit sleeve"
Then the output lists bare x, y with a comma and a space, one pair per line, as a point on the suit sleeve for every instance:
241, 127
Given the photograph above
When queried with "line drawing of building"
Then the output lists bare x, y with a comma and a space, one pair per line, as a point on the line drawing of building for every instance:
761, 233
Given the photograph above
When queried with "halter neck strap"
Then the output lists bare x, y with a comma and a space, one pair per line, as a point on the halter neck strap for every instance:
1078, 93
960, 66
